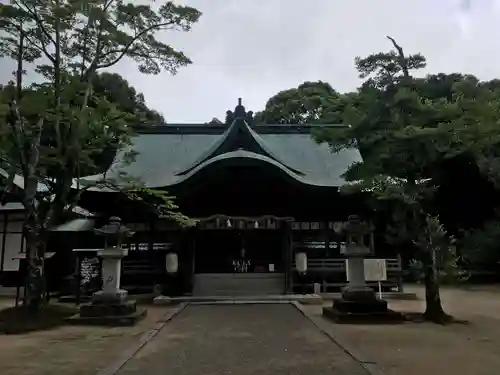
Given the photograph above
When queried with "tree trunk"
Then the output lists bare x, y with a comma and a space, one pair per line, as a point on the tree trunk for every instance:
34, 280
433, 310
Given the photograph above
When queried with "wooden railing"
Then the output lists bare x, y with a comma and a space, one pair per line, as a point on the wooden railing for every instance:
322, 271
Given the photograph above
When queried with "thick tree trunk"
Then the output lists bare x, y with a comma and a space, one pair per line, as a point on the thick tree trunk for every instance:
434, 309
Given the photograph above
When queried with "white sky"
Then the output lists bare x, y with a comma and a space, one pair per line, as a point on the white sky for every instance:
256, 48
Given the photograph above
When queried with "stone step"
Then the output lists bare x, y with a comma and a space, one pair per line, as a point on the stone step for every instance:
238, 284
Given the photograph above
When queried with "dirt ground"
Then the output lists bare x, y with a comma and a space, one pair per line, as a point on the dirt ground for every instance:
424, 348
409, 349
72, 350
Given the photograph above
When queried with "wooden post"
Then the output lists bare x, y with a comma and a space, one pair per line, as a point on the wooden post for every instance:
4, 239
78, 278
400, 276
192, 241
288, 256
20, 279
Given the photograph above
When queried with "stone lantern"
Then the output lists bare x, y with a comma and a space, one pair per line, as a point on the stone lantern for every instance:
110, 306
114, 233
358, 246
358, 301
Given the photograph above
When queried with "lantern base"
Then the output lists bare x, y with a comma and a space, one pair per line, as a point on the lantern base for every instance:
110, 309
368, 306
381, 317
361, 308
358, 293
118, 296
93, 310
109, 320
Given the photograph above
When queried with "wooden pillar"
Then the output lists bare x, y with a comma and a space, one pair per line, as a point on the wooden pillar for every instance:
189, 241
78, 279
4, 239
288, 249
400, 274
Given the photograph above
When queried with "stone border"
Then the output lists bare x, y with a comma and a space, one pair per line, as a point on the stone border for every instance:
128, 353
237, 302
370, 367
309, 298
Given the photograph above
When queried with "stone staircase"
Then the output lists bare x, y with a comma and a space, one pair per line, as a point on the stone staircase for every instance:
238, 284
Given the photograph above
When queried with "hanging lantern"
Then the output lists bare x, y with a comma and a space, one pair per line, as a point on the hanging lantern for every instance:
256, 224
171, 263
269, 223
301, 262
228, 223
337, 227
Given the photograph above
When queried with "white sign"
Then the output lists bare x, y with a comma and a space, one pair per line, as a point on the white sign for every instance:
375, 270
271, 267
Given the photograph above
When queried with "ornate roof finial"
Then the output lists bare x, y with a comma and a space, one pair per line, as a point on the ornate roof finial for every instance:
239, 111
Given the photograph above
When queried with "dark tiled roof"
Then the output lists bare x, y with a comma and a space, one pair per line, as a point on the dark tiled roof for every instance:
171, 154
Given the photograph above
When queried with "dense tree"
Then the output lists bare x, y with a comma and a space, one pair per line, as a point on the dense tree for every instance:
309, 103
131, 112
67, 42
117, 90
407, 137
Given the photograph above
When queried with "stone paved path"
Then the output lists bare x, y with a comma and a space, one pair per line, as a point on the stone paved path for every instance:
241, 340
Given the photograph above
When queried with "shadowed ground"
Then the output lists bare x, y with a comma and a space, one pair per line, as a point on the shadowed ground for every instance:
241, 340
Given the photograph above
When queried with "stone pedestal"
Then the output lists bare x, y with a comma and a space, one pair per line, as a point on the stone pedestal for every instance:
110, 306
359, 303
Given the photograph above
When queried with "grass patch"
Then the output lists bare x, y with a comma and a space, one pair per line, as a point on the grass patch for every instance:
18, 320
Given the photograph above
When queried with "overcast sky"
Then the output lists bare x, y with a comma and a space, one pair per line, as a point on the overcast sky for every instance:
256, 48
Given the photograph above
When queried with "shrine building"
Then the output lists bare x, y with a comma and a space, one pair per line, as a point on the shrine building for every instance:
260, 194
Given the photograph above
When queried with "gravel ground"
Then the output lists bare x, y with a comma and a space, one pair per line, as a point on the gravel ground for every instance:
71, 350
241, 340
426, 348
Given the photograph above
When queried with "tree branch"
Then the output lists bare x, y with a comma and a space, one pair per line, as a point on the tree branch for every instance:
123, 51
402, 58
41, 48
38, 21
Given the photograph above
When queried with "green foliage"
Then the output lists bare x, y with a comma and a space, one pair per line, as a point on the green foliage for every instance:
481, 247
117, 90
87, 35
435, 240
68, 120
161, 204
56, 130
406, 128
403, 138
309, 103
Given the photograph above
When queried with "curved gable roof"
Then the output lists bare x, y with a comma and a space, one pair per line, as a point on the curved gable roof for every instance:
239, 136
169, 155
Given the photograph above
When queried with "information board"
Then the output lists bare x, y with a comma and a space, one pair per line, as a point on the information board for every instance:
375, 270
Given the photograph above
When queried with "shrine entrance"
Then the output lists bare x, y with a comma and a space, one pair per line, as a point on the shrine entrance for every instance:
236, 256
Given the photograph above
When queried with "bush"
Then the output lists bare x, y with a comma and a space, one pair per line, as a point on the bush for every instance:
480, 248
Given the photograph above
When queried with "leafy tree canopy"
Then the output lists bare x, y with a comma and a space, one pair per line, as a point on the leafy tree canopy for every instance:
53, 130
309, 103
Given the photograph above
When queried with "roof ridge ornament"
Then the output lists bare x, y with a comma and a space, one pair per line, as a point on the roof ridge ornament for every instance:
239, 113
